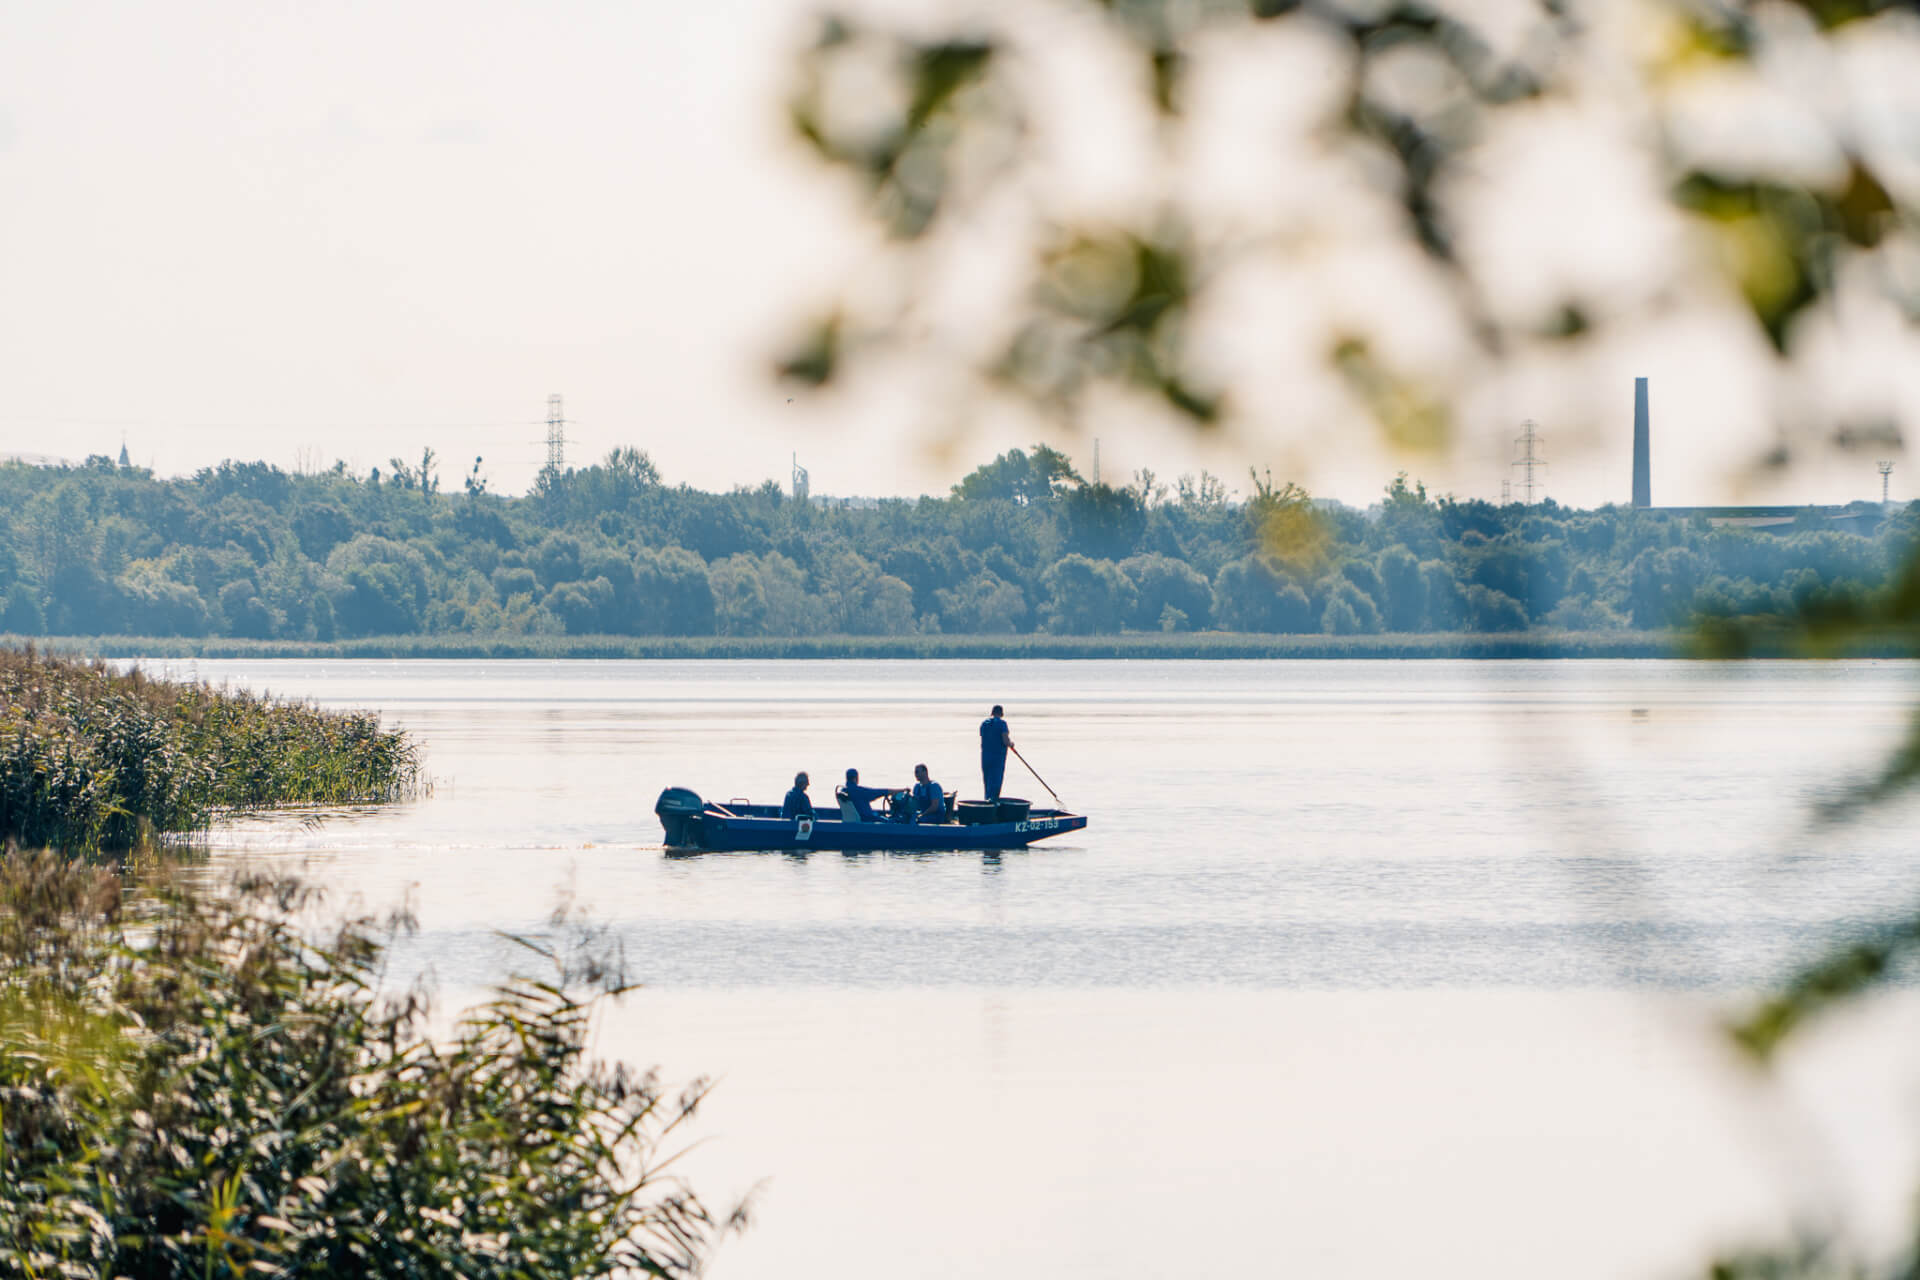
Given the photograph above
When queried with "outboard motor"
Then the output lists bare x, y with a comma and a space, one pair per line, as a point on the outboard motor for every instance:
679, 810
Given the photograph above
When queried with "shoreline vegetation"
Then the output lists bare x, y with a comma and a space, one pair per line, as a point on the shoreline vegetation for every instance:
1179, 646
1023, 553
94, 759
199, 1081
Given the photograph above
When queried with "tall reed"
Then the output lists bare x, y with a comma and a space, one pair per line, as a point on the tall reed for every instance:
92, 758
191, 1086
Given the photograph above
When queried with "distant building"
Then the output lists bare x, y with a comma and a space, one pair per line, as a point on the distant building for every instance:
1773, 519
125, 461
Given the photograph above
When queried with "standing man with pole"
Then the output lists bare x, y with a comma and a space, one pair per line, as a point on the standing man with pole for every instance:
995, 739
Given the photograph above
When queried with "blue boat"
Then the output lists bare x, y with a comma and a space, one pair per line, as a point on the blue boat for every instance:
738, 827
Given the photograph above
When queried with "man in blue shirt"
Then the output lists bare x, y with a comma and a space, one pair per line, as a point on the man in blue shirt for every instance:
796, 805
994, 742
929, 801
863, 797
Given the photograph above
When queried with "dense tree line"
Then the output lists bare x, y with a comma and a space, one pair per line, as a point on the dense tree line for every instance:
1021, 544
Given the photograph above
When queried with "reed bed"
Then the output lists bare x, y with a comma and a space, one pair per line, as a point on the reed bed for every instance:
196, 1087
201, 1083
97, 759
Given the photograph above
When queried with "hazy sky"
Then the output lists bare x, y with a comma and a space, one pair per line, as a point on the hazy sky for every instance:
309, 232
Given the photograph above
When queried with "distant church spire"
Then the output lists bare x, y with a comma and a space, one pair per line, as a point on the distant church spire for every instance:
124, 460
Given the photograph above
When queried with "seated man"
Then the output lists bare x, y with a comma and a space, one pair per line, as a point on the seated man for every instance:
796, 805
929, 801
862, 798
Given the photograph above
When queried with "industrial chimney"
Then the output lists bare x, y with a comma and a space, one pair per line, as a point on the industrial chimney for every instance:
1642, 462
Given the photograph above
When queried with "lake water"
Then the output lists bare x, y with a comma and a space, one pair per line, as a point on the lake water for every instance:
1360, 966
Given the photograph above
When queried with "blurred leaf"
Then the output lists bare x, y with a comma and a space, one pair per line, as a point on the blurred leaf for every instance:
834, 32
1863, 207
1776, 242
1847, 972
1295, 536
1111, 305
1162, 29
904, 160
1161, 282
1769, 240
1287, 527
1421, 158
815, 359
940, 71
1203, 407
1570, 320
1493, 81
1410, 419
1881, 435
1828, 14
1684, 40
1169, 64
1805, 1260
1896, 775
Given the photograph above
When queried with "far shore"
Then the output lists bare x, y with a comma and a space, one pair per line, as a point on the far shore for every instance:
1201, 645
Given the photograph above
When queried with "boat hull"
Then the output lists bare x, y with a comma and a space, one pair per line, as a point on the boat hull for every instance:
692, 825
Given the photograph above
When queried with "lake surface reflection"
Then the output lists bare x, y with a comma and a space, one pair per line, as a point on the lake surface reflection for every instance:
1359, 966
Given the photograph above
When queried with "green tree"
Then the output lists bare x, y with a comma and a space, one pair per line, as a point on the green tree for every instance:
1085, 597
1103, 523
1163, 583
156, 605
582, 607
1409, 520
1446, 604
1348, 610
1019, 478
739, 596
1252, 594
1404, 588
382, 586
672, 593
1490, 610
983, 605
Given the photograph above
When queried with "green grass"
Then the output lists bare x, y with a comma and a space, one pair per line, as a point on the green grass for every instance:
1178, 645
96, 759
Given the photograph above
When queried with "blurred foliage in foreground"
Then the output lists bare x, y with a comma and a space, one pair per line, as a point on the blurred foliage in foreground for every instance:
1760, 164
91, 758
1023, 544
1075, 204
193, 1088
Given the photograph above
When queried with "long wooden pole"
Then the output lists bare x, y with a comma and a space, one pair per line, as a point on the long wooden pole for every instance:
1037, 778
